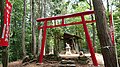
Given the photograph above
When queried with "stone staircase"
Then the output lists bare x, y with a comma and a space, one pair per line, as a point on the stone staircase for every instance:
67, 63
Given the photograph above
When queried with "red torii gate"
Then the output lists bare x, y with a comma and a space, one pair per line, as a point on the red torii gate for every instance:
83, 21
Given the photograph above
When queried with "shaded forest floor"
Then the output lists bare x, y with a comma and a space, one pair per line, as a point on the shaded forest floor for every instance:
56, 64
49, 61
54, 61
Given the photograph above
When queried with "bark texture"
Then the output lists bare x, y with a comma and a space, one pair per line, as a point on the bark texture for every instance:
108, 49
33, 29
5, 56
1, 15
40, 31
23, 29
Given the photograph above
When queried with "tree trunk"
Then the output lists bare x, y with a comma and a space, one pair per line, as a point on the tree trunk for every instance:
38, 14
44, 9
1, 15
108, 6
5, 56
94, 37
93, 27
55, 44
0, 18
39, 40
23, 29
31, 45
0, 6
107, 48
40, 31
43, 15
33, 30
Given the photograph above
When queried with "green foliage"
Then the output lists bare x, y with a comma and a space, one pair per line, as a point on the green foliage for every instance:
57, 7
116, 17
15, 50
54, 7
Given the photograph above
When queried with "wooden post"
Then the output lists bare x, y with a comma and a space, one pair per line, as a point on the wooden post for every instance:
89, 42
62, 24
43, 42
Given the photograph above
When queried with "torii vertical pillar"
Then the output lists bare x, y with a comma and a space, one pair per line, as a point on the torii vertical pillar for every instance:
45, 26
43, 42
89, 42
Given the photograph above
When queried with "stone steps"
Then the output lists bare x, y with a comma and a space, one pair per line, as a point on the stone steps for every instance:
67, 63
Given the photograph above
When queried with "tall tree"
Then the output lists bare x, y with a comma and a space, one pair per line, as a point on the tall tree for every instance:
44, 8
31, 46
16, 30
39, 3
5, 56
1, 15
33, 28
0, 4
93, 26
23, 29
44, 13
107, 48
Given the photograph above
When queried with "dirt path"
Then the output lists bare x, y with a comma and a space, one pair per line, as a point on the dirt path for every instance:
18, 64
57, 65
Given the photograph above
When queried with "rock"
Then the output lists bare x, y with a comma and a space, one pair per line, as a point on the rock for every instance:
26, 59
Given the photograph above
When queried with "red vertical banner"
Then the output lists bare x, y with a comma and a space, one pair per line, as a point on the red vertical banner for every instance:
6, 27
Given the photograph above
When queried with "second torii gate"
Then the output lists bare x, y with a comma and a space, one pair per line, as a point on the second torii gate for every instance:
62, 18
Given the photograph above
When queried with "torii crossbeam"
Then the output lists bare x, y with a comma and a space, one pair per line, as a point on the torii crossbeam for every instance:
62, 18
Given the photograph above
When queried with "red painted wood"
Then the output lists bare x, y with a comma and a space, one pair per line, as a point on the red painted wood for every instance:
43, 42
89, 42
65, 16
6, 26
63, 24
73, 23
112, 29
